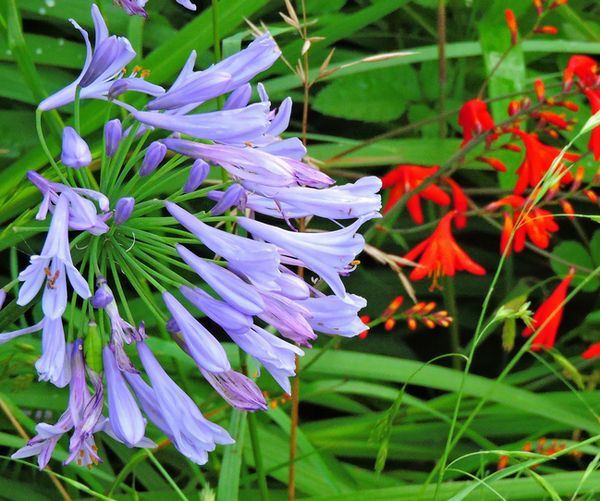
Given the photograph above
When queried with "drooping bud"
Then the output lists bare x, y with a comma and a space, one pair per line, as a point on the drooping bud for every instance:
538, 85
197, 175
155, 154
231, 197
494, 163
102, 297
511, 21
539, 7
123, 209
546, 30
75, 151
113, 131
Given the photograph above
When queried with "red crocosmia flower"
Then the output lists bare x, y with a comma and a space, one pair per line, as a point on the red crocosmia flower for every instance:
547, 30
546, 319
583, 67
538, 159
493, 162
460, 203
440, 255
535, 224
405, 178
511, 21
592, 352
594, 144
558, 120
474, 118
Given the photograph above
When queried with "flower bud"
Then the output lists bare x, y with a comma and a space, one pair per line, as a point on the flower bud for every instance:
101, 298
155, 154
197, 175
2, 297
231, 197
124, 209
75, 151
112, 136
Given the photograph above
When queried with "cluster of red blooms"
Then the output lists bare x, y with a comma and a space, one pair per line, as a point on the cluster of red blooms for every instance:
439, 254
420, 312
541, 447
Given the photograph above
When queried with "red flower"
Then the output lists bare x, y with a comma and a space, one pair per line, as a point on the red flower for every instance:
592, 352
538, 159
441, 255
546, 319
548, 30
459, 202
584, 68
511, 21
535, 224
405, 178
594, 144
474, 118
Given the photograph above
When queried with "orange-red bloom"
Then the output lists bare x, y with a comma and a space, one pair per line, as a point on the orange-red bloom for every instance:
511, 21
538, 159
594, 144
540, 90
547, 30
583, 67
474, 118
440, 254
546, 319
535, 224
405, 178
592, 352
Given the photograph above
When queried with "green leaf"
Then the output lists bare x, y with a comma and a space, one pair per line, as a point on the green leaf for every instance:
374, 96
574, 252
229, 478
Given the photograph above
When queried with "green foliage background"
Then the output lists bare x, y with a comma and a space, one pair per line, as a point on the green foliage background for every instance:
359, 399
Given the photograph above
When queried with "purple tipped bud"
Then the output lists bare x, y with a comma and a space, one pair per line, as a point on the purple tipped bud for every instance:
155, 154
101, 298
173, 326
124, 209
75, 151
113, 132
198, 174
231, 197
238, 390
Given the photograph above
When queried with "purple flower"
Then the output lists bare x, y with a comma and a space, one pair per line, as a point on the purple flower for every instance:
276, 355
103, 65
239, 98
174, 412
187, 4
288, 316
155, 154
50, 267
5, 337
237, 293
258, 261
202, 345
253, 164
328, 254
335, 315
193, 88
238, 390
133, 7
124, 415
123, 209
113, 131
54, 365
232, 320
75, 151
348, 201
197, 175
232, 196
226, 126
2, 297
291, 147
83, 214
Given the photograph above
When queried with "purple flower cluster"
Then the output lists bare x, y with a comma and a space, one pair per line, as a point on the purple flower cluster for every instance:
252, 291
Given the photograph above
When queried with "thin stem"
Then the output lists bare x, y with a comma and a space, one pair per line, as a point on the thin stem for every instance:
40, 133
77, 113
441, 25
258, 462
450, 302
294, 433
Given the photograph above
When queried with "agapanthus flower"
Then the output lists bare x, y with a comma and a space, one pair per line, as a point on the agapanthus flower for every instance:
198, 173
335, 316
53, 266
475, 119
546, 320
83, 214
535, 224
103, 66
440, 255
75, 151
124, 209
133, 7
113, 132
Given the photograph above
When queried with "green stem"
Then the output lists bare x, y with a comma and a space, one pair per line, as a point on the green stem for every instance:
40, 133
260, 469
449, 294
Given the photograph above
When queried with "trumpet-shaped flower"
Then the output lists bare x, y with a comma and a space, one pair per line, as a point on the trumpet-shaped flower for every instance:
53, 266
75, 151
440, 254
103, 66
546, 320
475, 119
